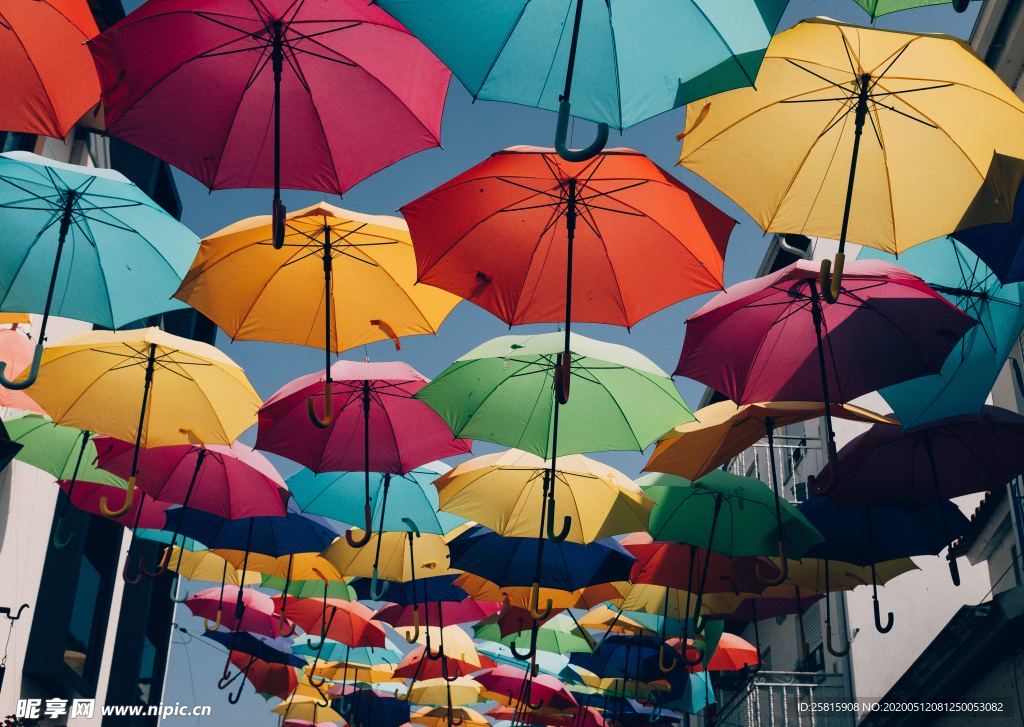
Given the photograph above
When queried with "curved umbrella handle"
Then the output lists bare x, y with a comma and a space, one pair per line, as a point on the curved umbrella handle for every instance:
129, 496
766, 578
216, 623
840, 653
33, 372
832, 279
566, 524
161, 566
533, 707
328, 408
662, 667
954, 570
411, 637
535, 611
237, 694
367, 532
59, 543
374, 593
563, 376
388, 331
17, 614
430, 650
562, 134
960, 6
413, 529
124, 572
180, 600
278, 215
878, 621
282, 630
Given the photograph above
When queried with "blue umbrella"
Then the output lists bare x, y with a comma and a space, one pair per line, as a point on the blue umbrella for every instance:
547, 662
337, 651
256, 646
621, 656
625, 60
409, 593
367, 707
340, 496
84, 243
995, 221
970, 370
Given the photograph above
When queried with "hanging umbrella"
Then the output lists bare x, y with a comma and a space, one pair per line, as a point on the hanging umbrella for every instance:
969, 372
559, 635
339, 496
308, 588
459, 692
306, 711
16, 352
417, 664
932, 462
633, 658
257, 617
631, 65
547, 662
993, 226
504, 683
428, 588
505, 491
267, 678
257, 647
367, 707
376, 406
205, 565
725, 429
393, 563
772, 339
468, 610
89, 496
49, 78
611, 228
357, 274
919, 117
520, 598
145, 386
659, 563
115, 234
443, 717
878, 8
335, 651
305, 96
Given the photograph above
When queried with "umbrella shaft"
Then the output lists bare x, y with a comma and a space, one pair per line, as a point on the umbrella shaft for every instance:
150, 366
817, 316
65, 227
328, 269
74, 474
277, 64
860, 114
571, 66
570, 231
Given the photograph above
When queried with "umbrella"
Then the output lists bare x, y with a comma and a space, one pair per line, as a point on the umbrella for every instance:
257, 647
658, 563
16, 352
468, 610
49, 78
559, 635
443, 717
919, 117
257, 617
408, 593
547, 662
114, 233
505, 491
877, 8
631, 65
992, 227
417, 664
504, 683
307, 711
725, 429
364, 265
182, 390
205, 565
66, 453
308, 588
521, 597
457, 693
89, 496
376, 405
306, 96
772, 339
611, 228
632, 658
339, 496
930, 463
367, 707
969, 372
278, 680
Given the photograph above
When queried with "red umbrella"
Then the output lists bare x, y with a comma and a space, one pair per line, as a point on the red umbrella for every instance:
48, 80
278, 680
373, 424
731, 654
348, 622
661, 564
417, 665
257, 609
145, 513
467, 610
306, 95
533, 238
506, 684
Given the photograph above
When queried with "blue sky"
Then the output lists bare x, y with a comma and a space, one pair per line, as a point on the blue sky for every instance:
470, 132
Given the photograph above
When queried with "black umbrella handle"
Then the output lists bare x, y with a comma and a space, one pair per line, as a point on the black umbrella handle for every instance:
564, 110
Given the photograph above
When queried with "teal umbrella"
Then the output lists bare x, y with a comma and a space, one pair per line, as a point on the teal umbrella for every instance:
548, 662
64, 452
84, 243
337, 651
969, 372
618, 62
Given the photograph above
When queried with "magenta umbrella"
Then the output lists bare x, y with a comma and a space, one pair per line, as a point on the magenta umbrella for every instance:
946, 458
521, 686
257, 614
255, 93
377, 425
468, 610
772, 338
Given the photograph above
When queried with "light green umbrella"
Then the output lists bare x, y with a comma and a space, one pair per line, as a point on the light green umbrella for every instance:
559, 635
877, 8
311, 588
66, 453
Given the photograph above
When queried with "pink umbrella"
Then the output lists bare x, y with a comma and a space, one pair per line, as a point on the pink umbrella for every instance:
467, 610
145, 513
210, 85
373, 424
16, 353
544, 690
257, 609
772, 339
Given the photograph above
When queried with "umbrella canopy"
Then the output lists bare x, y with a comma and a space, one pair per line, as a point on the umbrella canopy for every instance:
644, 242
519, 597
759, 608
335, 651
505, 683
565, 565
501, 392
307, 711
16, 351
66, 453
628, 65
277, 680
628, 657
759, 341
969, 372
375, 423
273, 536
306, 97
293, 569
265, 648
809, 575
49, 78
659, 563
458, 692
724, 429
878, 8
504, 492
442, 717
114, 233
416, 664
685, 512
468, 610
437, 588
205, 565
994, 224
231, 481
90, 496
391, 560
919, 115
250, 290
257, 616
348, 622
339, 496
547, 662
558, 635
309, 588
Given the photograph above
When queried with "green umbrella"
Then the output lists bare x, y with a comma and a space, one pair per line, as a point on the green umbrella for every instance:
877, 8
311, 589
66, 453
559, 635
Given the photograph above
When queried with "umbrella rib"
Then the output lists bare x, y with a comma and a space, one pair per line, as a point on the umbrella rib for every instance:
501, 49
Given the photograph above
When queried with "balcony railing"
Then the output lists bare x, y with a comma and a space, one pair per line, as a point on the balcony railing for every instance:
787, 699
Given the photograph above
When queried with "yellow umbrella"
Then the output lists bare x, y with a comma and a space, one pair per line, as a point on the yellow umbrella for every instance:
352, 672
294, 567
439, 717
457, 643
724, 429
148, 386
305, 708
878, 136
343, 279
462, 690
206, 565
604, 618
482, 589
672, 602
504, 492
394, 564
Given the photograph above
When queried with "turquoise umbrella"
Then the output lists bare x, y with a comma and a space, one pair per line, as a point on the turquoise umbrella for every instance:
620, 61
547, 662
337, 651
970, 370
84, 243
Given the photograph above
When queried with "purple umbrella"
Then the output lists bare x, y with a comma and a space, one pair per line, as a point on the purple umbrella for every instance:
892, 467
772, 339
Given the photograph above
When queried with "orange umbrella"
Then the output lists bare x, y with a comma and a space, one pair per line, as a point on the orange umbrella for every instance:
49, 80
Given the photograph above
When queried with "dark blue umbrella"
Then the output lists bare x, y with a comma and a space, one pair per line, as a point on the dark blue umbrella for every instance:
998, 238
257, 647
436, 588
621, 656
367, 707
512, 561
273, 536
